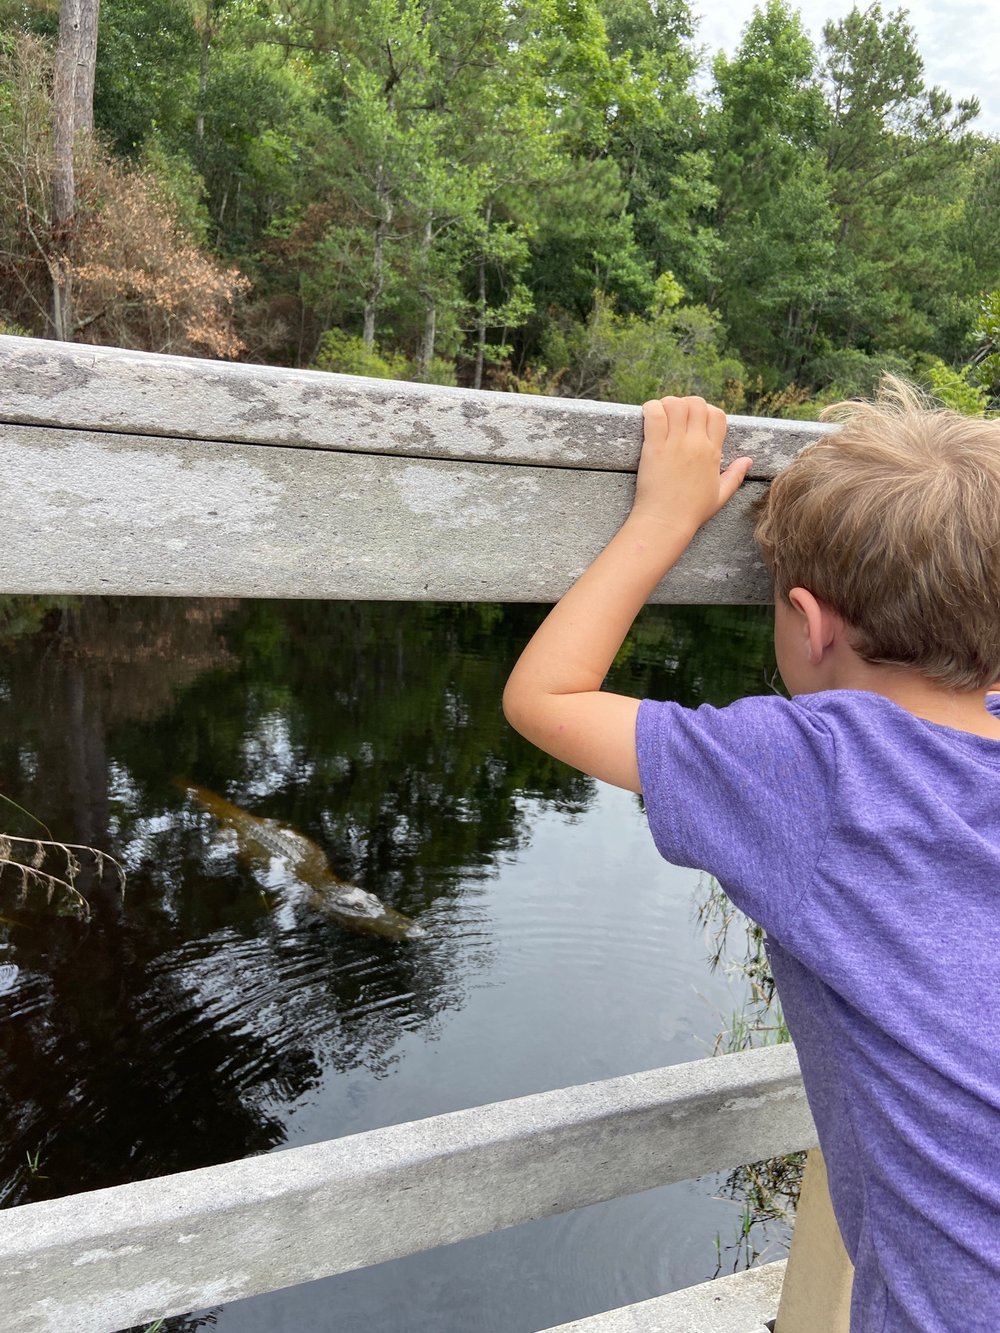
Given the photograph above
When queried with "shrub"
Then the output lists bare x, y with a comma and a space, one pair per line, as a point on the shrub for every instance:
347, 354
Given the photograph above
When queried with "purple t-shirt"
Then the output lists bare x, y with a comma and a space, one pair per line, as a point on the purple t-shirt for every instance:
866, 842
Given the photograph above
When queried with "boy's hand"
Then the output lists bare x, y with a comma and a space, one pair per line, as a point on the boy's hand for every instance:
679, 486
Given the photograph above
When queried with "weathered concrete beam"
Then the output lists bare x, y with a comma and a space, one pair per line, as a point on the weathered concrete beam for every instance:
136, 474
140, 393
111, 1258
142, 515
740, 1303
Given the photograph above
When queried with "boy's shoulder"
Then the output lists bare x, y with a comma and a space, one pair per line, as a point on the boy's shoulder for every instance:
845, 709
801, 750
872, 721
825, 713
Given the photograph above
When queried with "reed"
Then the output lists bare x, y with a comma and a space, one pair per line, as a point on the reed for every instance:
768, 1191
53, 867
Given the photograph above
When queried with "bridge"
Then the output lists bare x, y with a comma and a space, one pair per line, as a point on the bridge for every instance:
138, 474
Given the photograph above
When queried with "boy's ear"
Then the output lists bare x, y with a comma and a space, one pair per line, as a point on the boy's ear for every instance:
820, 625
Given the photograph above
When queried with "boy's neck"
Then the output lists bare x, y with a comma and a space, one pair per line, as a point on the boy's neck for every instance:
962, 710
815, 649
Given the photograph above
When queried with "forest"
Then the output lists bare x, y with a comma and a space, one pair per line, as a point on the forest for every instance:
541, 196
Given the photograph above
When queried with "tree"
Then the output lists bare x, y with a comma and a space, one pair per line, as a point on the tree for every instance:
136, 276
28, 257
774, 217
457, 129
73, 117
141, 280
841, 185
896, 154
672, 348
987, 357
147, 75
656, 137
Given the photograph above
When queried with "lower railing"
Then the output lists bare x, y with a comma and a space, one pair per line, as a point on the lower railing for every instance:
116, 1257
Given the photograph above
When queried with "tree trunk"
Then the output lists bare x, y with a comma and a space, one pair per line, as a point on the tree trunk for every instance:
62, 299
206, 40
64, 114
377, 285
374, 287
63, 180
86, 67
425, 352
477, 378
72, 112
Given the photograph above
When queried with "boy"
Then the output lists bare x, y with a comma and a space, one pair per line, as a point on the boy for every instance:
858, 822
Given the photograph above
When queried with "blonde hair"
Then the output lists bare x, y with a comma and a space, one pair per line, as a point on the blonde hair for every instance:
894, 522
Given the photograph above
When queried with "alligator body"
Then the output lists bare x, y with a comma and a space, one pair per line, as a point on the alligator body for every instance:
262, 842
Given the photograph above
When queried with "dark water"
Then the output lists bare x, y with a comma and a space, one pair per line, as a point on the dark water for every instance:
211, 1016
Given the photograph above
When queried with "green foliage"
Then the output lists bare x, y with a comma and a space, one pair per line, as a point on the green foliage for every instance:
954, 389
851, 373
455, 181
260, 123
841, 179
146, 71
179, 184
347, 355
440, 371
774, 216
770, 107
671, 349
987, 330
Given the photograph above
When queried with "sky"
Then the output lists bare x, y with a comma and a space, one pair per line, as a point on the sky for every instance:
959, 40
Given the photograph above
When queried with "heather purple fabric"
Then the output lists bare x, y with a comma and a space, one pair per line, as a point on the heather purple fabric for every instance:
866, 841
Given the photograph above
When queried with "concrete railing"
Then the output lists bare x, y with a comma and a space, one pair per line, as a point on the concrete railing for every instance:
141, 474
136, 474
111, 1258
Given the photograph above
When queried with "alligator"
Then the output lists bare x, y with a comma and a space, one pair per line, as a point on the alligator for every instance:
261, 842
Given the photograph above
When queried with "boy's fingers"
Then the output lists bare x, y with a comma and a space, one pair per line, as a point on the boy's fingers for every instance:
654, 420
716, 425
732, 479
697, 414
679, 416
676, 411
693, 413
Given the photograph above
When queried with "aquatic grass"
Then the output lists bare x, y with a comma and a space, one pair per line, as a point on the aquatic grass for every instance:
33, 1160
768, 1190
31, 871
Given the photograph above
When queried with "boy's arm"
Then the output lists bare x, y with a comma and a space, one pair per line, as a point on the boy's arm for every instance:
554, 696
